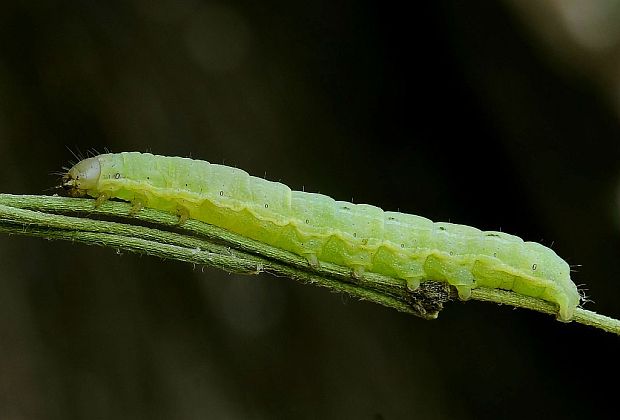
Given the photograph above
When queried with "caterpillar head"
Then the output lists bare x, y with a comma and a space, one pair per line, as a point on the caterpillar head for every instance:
82, 177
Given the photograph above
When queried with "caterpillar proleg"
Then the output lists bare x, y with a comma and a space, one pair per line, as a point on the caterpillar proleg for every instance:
359, 236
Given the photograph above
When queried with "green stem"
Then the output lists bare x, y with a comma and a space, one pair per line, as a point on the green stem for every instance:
158, 233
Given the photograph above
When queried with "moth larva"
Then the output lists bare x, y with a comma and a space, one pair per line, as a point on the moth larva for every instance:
359, 236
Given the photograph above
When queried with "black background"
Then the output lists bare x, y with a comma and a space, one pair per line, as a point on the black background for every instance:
451, 110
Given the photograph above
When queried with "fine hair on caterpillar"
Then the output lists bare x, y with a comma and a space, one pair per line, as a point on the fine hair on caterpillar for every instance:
362, 237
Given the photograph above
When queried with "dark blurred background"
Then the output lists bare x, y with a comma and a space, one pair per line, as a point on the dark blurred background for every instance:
500, 115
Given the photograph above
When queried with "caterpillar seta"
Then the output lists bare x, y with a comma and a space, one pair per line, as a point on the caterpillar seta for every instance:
361, 237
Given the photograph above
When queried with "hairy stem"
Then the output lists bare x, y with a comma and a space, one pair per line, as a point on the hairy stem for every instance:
158, 233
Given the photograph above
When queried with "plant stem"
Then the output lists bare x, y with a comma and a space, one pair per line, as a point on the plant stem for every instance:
158, 233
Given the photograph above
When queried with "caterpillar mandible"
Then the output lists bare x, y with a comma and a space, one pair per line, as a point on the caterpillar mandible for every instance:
361, 237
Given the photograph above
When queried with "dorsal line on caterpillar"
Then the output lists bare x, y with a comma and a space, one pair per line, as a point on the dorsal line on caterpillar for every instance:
362, 237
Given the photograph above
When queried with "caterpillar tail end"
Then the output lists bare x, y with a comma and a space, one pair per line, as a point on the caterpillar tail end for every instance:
566, 312
567, 301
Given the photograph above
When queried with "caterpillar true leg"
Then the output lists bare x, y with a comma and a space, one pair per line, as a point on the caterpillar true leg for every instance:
102, 198
136, 205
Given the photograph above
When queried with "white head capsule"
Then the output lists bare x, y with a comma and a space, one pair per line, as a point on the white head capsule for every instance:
82, 177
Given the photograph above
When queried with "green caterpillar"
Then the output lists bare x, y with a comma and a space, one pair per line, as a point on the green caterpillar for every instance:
359, 236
